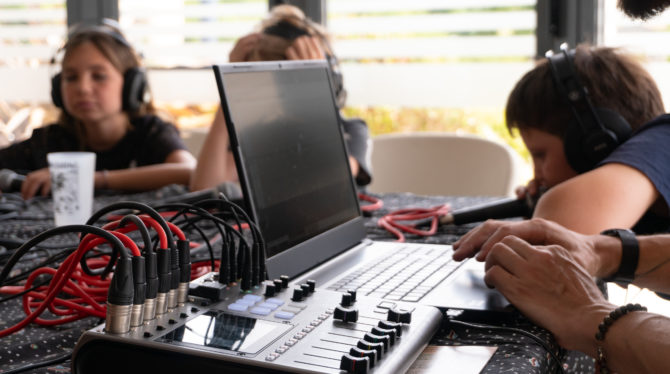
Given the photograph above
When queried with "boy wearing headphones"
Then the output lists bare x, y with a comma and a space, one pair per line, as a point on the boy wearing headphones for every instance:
102, 93
285, 35
586, 117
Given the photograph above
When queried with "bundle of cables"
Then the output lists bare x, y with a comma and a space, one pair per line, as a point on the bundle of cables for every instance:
108, 275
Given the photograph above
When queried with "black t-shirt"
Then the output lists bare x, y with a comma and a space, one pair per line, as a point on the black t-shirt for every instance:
149, 141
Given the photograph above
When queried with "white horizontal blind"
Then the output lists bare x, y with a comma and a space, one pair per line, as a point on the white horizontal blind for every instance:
30, 31
188, 33
432, 52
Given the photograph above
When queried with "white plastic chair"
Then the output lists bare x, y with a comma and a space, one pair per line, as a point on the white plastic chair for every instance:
430, 163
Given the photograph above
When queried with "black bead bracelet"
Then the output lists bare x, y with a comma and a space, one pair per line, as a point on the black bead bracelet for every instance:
601, 363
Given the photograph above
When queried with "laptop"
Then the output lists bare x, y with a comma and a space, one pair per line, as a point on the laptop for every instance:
294, 173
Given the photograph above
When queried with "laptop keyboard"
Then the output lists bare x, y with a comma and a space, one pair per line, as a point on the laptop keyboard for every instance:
407, 275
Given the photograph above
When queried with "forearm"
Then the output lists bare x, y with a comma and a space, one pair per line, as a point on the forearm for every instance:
638, 343
145, 177
215, 162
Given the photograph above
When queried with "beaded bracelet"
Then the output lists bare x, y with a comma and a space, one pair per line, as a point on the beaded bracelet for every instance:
601, 363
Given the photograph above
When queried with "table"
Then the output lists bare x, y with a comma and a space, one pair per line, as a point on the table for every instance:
516, 351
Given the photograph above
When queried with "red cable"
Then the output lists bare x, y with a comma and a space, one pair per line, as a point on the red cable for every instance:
392, 221
375, 203
82, 301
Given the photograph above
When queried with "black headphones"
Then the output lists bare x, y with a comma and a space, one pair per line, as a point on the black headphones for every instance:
134, 79
594, 132
289, 31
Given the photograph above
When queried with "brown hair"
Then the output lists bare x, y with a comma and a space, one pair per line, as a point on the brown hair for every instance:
113, 45
613, 80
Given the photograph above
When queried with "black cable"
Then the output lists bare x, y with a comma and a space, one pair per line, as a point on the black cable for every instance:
19, 252
534, 337
144, 208
37, 365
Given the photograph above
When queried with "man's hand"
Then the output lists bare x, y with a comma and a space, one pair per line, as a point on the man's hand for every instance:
549, 287
482, 238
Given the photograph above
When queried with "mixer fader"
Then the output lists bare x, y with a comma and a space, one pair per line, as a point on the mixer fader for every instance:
279, 327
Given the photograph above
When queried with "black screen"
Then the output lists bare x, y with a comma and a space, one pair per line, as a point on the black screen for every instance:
228, 332
292, 152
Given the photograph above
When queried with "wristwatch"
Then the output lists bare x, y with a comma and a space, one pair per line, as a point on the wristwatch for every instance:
630, 255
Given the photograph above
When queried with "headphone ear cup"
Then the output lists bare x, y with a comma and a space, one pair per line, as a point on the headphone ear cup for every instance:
55, 91
585, 150
134, 87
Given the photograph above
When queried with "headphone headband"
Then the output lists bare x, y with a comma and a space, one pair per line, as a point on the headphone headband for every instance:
576, 94
594, 132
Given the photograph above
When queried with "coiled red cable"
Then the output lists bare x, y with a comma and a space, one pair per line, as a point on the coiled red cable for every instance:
399, 221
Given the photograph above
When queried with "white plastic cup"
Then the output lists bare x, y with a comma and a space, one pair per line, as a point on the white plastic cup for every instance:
72, 182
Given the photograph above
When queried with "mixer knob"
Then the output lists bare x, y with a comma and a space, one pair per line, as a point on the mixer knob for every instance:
353, 295
354, 364
346, 299
391, 325
297, 294
284, 280
312, 285
385, 332
358, 352
278, 285
399, 315
270, 289
305, 289
383, 339
345, 314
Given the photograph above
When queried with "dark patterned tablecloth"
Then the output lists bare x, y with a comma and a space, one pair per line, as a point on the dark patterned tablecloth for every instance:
516, 353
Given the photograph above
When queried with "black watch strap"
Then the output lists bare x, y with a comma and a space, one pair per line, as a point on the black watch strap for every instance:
630, 255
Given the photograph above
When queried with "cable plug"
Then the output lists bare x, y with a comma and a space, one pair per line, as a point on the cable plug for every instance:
164, 279
140, 283
184, 247
174, 278
120, 298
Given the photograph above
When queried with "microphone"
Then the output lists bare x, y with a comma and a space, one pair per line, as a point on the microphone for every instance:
10, 181
505, 208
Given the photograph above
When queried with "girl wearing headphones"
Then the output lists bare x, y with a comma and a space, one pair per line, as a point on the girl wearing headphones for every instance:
102, 92
285, 35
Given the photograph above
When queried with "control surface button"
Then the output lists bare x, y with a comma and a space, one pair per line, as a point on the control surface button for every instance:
345, 314
238, 307
254, 298
284, 315
275, 301
354, 364
260, 311
270, 306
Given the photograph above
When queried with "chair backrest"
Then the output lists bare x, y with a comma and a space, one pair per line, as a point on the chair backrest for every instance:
429, 163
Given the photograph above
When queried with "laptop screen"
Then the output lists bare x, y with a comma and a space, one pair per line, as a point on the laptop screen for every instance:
290, 153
